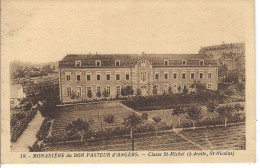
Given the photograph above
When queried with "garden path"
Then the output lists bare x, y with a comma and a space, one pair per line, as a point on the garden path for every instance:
28, 137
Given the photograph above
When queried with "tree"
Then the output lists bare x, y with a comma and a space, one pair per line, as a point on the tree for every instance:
225, 112
123, 91
179, 89
170, 90
89, 94
138, 92
240, 87
185, 90
129, 90
133, 121
211, 107
154, 90
105, 93
98, 94
194, 113
178, 110
109, 119
157, 120
77, 127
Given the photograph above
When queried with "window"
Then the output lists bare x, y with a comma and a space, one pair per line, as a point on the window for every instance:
209, 75
143, 75
68, 77
143, 62
89, 93
127, 76
201, 75
183, 76
175, 75
78, 91
108, 90
98, 63
165, 76
68, 91
201, 63
98, 77
77, 63
184, 62
118, 91
108, 76
88, 76
156, 75
166, 62
117, 63
117, 76
192, 75
209, 85
78, 77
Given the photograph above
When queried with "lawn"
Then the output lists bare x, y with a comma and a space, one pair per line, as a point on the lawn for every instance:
95, 112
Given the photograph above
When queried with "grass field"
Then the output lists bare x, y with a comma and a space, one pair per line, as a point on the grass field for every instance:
219, 138
96, 112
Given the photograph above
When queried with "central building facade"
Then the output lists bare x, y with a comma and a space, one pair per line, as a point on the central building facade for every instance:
86, 77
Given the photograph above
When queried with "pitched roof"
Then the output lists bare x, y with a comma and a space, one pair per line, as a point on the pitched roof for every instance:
130, 59
75, 57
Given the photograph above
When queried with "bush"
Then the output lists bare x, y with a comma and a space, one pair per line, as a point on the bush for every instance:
44, 130
168, 101
24, 120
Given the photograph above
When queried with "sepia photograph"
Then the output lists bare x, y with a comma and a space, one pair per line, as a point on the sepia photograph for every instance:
128, 77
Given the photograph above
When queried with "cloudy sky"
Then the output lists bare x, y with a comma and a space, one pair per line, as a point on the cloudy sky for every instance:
44, 31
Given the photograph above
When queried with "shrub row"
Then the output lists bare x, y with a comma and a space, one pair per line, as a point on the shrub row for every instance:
214, 121
44, 130
168, 101
108, 133
17, 129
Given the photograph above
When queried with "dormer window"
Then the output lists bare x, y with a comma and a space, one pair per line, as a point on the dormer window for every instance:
77, 63
166, 62
117, 63
201, 62
98, 63
184, 62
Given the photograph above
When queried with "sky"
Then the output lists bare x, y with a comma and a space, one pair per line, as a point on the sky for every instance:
45, 31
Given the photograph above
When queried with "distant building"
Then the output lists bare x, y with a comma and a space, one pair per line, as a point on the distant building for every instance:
16, 94
232, 55
89, 76
223, 49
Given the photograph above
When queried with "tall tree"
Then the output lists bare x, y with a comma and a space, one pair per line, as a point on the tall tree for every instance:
78, 127
226, 112
157, 120
211, 107
133, 121
194, 113
177, 111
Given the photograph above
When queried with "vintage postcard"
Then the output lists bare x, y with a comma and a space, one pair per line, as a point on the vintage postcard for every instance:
127, 81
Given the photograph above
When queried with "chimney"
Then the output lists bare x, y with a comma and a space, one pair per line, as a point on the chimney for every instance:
96, 53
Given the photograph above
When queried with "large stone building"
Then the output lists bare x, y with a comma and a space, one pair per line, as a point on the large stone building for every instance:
90, 76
